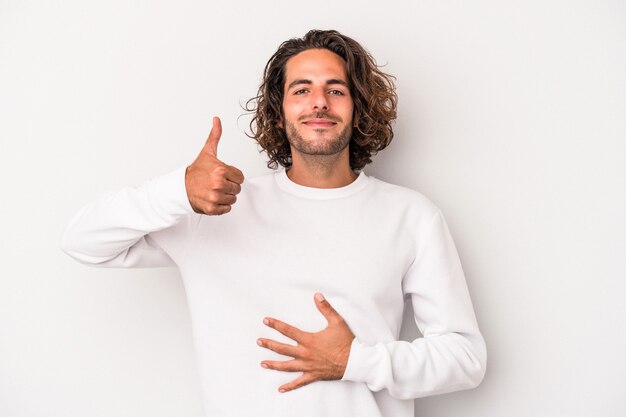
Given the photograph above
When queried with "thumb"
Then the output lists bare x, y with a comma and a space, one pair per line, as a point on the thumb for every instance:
325, 308
214, 137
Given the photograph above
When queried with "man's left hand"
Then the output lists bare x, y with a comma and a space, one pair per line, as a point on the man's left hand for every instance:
319, 356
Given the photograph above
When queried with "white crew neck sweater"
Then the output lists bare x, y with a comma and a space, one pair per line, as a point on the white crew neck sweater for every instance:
367, 247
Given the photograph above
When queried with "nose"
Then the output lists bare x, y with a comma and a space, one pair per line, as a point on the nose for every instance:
319, 100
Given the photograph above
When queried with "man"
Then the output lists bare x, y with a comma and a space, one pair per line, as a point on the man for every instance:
296, 280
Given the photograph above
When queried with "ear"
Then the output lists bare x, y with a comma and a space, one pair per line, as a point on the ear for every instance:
281, 117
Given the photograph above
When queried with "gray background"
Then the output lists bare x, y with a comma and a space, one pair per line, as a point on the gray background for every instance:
511, 119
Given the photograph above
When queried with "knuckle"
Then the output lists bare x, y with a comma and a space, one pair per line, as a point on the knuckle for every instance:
217, 209
211, 208
220, 170
220, 185
217, 183
212, 197
287, 331
282, 366
304, 353
306, 339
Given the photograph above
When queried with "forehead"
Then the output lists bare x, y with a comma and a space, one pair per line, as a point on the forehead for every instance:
312, 64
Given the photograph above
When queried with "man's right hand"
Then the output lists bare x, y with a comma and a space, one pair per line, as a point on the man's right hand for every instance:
212, 186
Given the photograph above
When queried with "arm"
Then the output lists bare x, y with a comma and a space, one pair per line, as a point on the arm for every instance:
452, 355
115, 229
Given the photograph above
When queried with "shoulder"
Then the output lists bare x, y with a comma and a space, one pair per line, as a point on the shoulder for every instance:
402, 197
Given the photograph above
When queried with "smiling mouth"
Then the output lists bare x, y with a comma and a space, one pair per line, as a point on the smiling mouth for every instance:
319, 123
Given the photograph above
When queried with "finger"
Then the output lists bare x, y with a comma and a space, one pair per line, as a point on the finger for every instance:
325, 308
214, 137
224, 208
284, 328
221, 186
299, 382
282, 348
293, 365
218, 181
225, 199
218, 209
232, 188
235, 175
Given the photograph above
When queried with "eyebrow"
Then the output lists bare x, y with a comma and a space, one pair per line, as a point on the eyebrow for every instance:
308, 82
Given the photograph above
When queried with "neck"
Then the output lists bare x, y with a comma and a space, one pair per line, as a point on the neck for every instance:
321, 171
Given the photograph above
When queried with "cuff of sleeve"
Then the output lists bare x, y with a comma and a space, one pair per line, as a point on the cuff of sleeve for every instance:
363, 364
169, 194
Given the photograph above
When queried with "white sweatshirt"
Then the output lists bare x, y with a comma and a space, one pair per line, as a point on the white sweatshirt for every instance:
367, 247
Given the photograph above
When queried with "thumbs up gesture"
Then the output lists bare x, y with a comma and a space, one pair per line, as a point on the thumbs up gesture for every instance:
212, 186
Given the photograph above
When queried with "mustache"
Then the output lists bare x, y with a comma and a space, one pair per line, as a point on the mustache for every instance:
321, 115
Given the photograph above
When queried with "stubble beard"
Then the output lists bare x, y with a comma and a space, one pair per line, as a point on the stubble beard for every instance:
318, 147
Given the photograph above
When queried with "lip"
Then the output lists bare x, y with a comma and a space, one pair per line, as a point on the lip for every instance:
319, 123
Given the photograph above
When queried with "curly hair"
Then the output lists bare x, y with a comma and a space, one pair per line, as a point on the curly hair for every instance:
372, 91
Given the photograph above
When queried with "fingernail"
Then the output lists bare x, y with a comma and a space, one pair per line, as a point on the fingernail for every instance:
259, 342
281, 390
266, 322
263, 364
319, 296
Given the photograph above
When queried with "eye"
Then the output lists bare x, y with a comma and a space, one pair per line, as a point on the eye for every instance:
300, 91
336, 92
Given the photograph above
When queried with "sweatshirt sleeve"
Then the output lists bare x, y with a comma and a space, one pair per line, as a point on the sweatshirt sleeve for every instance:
451, 355
114, 230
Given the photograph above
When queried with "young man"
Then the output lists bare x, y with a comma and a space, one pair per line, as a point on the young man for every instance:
296, 280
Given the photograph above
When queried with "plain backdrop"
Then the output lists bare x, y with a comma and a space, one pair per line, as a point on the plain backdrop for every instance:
511, 119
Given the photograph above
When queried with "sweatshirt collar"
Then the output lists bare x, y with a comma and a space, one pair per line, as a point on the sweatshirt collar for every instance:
285, 184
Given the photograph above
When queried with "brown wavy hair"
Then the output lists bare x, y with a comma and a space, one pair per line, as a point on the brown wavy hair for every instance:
372, 91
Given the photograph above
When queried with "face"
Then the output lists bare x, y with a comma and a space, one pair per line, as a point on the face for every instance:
317, 105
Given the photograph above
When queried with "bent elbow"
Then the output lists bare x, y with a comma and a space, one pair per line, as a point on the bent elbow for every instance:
477, 374
76, 247
69, 245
